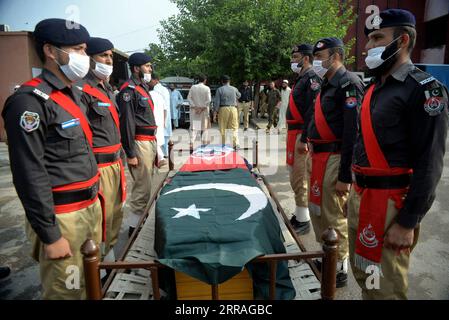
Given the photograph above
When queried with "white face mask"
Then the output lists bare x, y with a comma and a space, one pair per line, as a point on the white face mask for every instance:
295, 68
102, 71
318, 68
78, 66
374, 57
147, 77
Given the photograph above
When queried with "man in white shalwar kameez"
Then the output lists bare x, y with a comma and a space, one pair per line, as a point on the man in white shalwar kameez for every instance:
285, 98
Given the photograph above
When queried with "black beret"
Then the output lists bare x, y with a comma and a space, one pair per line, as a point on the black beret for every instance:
302, 48
98, 45
391, 18
327, 43
225, 78
138, 59
60, 32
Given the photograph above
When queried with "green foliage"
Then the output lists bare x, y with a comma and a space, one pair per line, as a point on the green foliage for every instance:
245, 38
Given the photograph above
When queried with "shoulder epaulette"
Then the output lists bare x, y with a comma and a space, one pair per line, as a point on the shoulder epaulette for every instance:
420, 76
41, 94
344, 85
37, 87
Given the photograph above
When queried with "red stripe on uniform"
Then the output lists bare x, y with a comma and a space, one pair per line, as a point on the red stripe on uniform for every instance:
103, 98
321, 124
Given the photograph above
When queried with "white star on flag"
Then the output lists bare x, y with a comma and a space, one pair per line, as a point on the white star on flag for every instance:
192, 211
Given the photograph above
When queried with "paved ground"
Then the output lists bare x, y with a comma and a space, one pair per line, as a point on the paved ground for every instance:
429, 270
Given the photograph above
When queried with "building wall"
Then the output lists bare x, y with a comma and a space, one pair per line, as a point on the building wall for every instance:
17, 58
418, 8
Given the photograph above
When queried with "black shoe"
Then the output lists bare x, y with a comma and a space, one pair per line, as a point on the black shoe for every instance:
342, 280
4, 272
246, 129
301, 228
130, 231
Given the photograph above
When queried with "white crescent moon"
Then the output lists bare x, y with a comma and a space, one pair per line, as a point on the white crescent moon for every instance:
255, 196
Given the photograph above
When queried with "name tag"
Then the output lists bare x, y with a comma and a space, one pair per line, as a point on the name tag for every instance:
70, 123
103, 104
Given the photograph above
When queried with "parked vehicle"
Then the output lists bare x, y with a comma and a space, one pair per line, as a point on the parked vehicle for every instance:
184, 110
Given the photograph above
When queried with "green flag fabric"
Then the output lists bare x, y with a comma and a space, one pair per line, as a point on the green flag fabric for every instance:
210, 224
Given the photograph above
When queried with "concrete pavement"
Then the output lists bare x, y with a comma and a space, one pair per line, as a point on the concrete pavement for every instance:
429, 270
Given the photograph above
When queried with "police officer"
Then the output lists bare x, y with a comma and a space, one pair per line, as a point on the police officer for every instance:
103, 115
332, 134
398, 157
299, 112
138, 131
225, 108
52, 163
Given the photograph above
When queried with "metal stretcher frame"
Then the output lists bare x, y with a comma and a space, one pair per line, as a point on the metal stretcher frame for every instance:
327, 277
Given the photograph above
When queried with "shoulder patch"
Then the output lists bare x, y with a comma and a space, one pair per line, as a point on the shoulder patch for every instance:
41, 94
351, 92
350, 102
126, 96
314, 84
29, 121
435, 101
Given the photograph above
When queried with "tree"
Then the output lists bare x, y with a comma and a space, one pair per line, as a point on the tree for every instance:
247, 38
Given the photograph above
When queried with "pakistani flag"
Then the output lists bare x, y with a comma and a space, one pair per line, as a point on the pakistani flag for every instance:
210, 224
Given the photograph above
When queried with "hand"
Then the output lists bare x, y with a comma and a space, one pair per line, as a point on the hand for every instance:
133, 162
303, 148
215, 116
58, 250
342, 188
398, 238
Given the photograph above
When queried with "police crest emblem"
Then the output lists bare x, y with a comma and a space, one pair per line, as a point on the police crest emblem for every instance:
314, 85
434, 103
126, 97
29, 121
351, 102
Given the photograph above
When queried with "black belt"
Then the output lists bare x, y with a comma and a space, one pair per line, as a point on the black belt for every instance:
67, 197
327, 147
145, 131
107, 157
383, 182
295, 126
